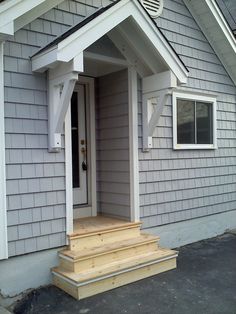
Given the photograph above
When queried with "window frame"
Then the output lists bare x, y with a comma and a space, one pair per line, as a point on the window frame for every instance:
198, 98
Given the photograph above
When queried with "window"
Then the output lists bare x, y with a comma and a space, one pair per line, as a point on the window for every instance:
194, 121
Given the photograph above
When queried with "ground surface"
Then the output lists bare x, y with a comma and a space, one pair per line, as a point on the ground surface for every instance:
204, 283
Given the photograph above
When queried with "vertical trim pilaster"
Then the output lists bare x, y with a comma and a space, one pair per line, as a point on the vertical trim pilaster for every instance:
3, 206
133, 143
68, 166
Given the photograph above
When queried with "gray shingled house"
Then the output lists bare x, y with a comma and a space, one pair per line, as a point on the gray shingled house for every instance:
114, 116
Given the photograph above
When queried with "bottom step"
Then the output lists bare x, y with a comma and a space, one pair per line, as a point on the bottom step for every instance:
115, 280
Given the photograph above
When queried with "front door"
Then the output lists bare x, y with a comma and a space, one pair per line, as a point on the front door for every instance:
79, 146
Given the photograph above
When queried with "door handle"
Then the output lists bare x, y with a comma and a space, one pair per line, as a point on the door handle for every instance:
84, 166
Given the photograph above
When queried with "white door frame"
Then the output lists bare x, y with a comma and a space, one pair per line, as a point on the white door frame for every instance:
90, 98
81, 193
133, 150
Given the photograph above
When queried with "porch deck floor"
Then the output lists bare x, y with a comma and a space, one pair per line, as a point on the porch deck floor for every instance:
98, 223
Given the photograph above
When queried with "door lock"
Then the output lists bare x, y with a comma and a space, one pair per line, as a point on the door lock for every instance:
84, 166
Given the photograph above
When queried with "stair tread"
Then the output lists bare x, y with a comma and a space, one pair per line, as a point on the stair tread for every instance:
111, 247
93, 225
116, 266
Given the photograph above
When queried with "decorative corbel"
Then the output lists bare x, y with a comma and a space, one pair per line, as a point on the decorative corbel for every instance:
156, 90
61, 83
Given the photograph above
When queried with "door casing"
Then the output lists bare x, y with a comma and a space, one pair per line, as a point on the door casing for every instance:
91, 144
81, 193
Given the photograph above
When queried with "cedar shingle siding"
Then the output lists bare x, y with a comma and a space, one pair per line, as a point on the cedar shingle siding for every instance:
174, 185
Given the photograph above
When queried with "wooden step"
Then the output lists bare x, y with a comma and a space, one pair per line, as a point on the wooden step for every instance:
76, 261
113, 275
109, 231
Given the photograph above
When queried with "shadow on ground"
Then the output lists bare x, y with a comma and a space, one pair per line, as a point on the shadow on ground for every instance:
204, 283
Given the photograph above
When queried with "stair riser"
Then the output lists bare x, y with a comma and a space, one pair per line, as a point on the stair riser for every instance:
93, 288
94, 240
94, 261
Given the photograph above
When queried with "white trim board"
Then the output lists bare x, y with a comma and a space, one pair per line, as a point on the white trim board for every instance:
133, 144
214, 26
14, 14
3, 206
90, 90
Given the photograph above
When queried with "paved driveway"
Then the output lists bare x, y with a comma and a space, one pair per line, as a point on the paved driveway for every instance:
204, 283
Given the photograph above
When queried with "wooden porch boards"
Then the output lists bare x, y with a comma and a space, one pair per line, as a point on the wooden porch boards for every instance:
106, 253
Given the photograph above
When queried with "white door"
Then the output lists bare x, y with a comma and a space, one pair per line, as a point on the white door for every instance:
79, 146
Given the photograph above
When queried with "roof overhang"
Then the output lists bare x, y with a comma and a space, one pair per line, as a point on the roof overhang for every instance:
114, 21
14, 14
215, 28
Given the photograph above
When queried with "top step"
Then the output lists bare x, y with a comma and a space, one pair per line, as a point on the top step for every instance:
100, 224
93, 231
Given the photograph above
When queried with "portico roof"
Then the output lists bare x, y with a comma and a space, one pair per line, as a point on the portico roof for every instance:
124, 19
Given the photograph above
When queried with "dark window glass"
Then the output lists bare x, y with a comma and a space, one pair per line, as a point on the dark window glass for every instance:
75, 139
204, 123
185, 121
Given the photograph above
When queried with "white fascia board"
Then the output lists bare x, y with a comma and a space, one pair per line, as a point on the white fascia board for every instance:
34, 13
80, 40
100, 22
3, 209
77, 42
222, 22
215, 28
160, 43
41, 62
94, 30
22, 12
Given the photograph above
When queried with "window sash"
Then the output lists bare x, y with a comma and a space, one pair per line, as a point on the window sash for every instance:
196, 98
194, 137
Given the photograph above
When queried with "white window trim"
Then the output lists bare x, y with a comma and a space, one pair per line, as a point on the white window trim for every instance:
196, 97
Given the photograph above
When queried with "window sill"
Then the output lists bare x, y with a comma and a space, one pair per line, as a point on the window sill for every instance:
194, 146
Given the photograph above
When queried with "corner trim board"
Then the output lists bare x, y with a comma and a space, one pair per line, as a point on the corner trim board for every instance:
133, 144
68, 168
3, 203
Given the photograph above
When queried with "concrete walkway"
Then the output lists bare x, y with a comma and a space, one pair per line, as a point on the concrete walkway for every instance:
204, 283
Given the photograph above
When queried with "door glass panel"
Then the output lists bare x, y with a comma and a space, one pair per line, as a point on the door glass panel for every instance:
204, 123
185, 121
75, 140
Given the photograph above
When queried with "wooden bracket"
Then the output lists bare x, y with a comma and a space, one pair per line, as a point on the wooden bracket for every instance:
156, 89
61, 83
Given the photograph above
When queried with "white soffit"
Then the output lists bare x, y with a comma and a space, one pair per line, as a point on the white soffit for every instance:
215, 28
66, 49
14, 14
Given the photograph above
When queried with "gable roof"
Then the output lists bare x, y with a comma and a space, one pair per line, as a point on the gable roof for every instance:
14, 14
81, 36
228, 9
89, 19
214, 26
76, 27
